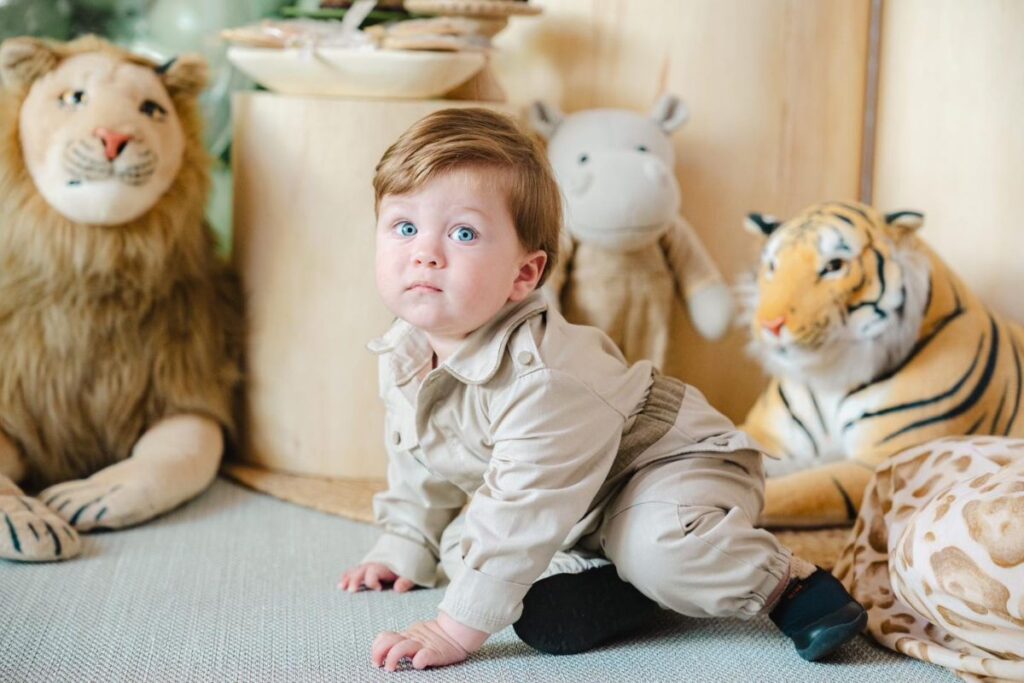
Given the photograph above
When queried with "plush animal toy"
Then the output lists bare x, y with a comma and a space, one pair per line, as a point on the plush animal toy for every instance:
873, 346
627, 251
937, 555
117, 321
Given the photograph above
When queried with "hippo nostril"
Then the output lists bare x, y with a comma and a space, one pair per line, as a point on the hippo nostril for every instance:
656, 171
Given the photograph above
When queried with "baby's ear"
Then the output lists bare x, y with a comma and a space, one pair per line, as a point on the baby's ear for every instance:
184, 75
23, 60
545, 118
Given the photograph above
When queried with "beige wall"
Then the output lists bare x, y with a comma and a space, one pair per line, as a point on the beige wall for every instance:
950, 138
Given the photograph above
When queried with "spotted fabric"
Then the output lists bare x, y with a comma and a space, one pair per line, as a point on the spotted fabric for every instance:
937, 555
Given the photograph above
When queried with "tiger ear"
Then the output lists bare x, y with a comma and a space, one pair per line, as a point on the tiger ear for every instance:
761, 224
908, 221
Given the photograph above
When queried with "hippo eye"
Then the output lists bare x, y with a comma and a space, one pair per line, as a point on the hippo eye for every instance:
153, 110
641, 148
72, 99
833, 266
584, 158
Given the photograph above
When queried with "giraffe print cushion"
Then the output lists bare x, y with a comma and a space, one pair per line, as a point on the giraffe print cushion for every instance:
937, 555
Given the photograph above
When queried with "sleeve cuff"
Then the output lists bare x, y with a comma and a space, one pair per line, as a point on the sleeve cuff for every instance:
483, 602
405, 557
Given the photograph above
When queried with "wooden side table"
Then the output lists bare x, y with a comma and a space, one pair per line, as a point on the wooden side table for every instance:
304, 248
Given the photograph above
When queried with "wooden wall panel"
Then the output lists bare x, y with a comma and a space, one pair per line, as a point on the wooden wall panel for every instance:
776, 94
950, 138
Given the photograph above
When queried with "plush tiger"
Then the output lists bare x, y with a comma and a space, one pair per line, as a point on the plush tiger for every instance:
873, 346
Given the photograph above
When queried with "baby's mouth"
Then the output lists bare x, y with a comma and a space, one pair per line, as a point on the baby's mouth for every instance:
420, 286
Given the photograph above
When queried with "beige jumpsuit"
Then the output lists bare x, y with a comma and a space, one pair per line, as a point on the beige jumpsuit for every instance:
559, 446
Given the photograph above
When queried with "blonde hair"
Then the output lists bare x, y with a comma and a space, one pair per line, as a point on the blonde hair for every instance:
453, 139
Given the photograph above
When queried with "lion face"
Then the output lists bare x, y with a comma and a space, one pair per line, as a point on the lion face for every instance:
101, 138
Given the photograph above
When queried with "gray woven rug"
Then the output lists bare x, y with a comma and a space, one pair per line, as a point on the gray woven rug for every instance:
238, 586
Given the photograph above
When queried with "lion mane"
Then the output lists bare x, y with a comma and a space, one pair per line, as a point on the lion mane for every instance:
107, 329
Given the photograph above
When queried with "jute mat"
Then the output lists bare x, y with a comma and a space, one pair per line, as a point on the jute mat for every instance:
349, 498
353, 499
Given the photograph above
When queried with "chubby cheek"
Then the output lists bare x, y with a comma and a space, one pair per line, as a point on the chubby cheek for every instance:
387, 267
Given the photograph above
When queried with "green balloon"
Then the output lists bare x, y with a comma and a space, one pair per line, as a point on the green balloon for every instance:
42, 18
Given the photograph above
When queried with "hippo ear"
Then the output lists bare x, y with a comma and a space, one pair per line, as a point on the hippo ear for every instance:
545, 118
761, 223
23, 60
908, 221
669, 113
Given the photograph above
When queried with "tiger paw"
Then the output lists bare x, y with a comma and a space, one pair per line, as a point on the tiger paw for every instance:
98, 503
31, 532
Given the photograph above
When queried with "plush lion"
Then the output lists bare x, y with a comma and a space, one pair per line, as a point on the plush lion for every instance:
118, 322
874, 346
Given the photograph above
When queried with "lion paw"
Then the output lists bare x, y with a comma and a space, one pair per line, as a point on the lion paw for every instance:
93, 503
31, 532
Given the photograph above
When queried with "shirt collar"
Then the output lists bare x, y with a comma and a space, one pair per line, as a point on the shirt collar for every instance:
475, 361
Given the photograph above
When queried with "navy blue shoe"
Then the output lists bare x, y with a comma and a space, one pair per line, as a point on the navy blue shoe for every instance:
818, 614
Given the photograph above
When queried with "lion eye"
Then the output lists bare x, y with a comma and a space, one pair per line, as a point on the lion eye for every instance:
153, 110
72, 99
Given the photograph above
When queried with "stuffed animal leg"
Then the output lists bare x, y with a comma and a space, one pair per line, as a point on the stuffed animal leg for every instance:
174, 461
30, 531
709, 300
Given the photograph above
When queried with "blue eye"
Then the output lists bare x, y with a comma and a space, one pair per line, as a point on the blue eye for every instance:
464, 234
406, 229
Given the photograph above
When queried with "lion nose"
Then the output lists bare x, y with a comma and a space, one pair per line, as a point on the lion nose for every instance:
113, 142
774, 326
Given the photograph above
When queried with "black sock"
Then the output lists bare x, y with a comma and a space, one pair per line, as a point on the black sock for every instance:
569, 613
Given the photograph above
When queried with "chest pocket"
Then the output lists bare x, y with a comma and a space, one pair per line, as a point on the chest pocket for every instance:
465, 468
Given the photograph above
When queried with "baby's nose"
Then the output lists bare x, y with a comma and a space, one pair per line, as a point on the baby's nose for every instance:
430, 260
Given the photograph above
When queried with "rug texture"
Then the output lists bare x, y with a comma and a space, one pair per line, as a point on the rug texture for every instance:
236, 586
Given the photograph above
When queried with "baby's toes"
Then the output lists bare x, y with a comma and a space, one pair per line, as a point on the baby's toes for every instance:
30, 532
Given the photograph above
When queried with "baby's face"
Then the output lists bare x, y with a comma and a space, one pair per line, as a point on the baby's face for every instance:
448, 256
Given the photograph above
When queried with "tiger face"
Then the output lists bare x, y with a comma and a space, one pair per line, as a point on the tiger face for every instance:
836, 281
101, 138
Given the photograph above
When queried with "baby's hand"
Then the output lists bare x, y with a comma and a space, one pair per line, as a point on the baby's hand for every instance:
373, 575
425, 644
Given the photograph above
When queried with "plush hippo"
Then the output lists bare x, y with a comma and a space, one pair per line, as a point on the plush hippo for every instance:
626, 251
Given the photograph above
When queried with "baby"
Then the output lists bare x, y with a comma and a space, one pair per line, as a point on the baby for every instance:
596, 490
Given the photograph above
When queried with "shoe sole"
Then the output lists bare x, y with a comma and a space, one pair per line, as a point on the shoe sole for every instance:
832, 637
